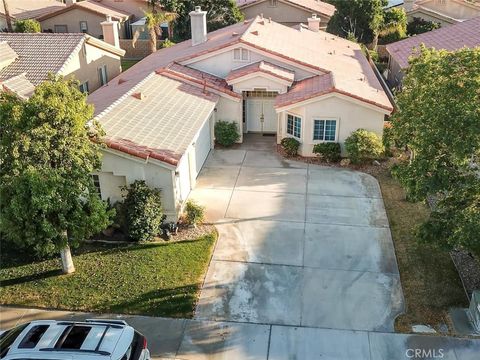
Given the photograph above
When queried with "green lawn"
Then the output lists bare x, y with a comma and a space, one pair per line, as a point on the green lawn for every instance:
430, 282
150, 279
126, 64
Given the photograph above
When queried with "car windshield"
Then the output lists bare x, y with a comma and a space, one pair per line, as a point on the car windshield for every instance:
8, 338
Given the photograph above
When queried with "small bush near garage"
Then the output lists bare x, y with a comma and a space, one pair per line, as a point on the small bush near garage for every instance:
328, 151
363, 145
226, 133
290, 146
194, 213
143, 211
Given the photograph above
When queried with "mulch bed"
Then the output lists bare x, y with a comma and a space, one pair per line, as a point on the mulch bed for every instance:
468, 268
185, 233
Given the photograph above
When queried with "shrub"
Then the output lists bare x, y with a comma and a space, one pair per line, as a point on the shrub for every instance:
226, 133
290, 145
395, 20
27, 26
388, 140
167, 43
328, 151
194, 213
420, 26
143, 211
363, 145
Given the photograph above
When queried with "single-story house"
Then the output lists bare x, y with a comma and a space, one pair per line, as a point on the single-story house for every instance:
27, 59
287, 12
450, 38
444, 12
86, 17
27, 9
159, 115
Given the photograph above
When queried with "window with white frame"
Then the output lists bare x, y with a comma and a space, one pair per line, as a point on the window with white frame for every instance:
241, 54
84, 87
324, 130
102, 74
294, 125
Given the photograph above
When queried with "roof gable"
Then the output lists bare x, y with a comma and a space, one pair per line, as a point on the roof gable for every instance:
40, 54
313, 6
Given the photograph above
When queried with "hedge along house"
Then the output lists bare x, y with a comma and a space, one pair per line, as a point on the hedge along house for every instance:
159, 115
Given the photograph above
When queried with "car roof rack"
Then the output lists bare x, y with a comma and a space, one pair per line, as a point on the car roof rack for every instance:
107, 321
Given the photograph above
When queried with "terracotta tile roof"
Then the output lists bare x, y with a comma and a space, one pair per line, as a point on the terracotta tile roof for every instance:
157, 124
314, 6
452, 37
319, 51
20, 85
31, 9
39, 54
105, 96
322, 52
200, 78
92, 6
262, 66
306, 89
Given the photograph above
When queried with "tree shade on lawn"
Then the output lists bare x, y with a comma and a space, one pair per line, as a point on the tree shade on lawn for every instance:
150, 279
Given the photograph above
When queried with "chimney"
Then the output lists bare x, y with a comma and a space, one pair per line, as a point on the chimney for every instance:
198, 22
70, 2
110, 31
408, 5
314, 23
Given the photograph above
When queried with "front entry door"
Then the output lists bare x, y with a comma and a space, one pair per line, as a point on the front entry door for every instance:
261, 115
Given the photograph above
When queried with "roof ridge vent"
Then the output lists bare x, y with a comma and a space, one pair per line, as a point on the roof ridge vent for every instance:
246, 21
262, 22
121, 81
139, 95
254, 32
234, 33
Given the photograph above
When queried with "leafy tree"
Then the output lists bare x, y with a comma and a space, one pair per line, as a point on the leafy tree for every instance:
455, 222
439, 121
362, 18
419, 26
27, 26
143, 210
394, 25
220, 13
49, 202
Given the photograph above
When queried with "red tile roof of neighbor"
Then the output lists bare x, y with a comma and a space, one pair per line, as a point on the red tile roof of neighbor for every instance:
31, 9
264, 67
314, 6
452, 37
340, 65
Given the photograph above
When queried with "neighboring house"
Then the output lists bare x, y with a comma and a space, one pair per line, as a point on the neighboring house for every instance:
444, 12
451, 38
287, 12
27, 59
27, 9
159, 115
86, 17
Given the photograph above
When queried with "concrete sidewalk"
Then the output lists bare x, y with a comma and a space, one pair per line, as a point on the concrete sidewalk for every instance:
183, 339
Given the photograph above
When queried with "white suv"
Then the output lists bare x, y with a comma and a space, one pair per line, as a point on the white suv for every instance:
68, 340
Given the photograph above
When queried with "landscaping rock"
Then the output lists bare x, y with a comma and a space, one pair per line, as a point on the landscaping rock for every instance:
344, 162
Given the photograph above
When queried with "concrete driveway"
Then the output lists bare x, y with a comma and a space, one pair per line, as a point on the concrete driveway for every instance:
299, 244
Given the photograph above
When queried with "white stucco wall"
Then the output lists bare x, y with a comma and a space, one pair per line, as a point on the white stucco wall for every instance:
350, 116
84, 66
221, 64
230, 110
130, 168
